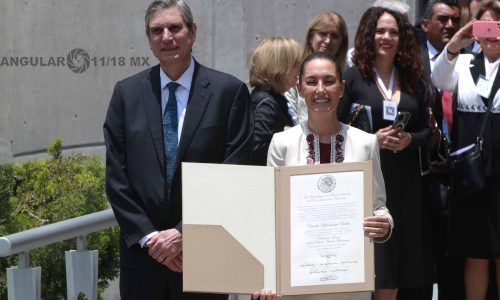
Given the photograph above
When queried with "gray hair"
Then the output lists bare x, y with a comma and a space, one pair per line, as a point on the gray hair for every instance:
430, 5
182, 6
399, 6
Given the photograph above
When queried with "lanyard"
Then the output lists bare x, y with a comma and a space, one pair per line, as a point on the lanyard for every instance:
387, 92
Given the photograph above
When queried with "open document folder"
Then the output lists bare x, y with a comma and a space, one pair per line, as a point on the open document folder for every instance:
295, 230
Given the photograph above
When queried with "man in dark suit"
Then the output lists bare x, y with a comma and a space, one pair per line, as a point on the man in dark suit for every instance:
152, 125
441, 20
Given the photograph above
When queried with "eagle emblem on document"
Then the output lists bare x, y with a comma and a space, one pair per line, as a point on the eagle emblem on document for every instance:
326, 183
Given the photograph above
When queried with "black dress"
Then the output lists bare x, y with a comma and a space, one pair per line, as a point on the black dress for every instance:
271, 116
405, 260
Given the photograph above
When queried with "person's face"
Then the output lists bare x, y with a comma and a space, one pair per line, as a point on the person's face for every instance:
326, 41
291, 78
443, 24
386, 37
169, 37
490, 46
321, 86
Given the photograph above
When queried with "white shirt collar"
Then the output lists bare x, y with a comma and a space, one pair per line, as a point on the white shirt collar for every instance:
433, 53
491, 68
185, 80
491, 65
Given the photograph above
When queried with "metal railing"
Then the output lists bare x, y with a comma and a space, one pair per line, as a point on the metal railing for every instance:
23, 242
81, 265
23, 281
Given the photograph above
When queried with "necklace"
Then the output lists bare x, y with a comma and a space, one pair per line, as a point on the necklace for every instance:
336, 146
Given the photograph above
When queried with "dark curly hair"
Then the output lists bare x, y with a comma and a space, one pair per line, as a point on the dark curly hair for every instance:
407, 62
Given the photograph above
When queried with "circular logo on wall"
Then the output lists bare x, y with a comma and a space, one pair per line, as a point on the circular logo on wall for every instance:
326, 183
78, 60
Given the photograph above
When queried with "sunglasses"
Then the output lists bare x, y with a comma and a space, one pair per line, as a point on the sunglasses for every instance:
446, 18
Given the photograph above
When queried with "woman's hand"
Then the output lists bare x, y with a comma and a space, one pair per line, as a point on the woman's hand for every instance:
403, 140
264, 295
376, 226
383, 136
393, 140
460, 39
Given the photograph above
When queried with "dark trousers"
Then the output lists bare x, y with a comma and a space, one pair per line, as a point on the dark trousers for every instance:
420, 293
157, 284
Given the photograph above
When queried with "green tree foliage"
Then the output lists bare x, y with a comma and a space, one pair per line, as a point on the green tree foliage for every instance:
7, 183
45, 191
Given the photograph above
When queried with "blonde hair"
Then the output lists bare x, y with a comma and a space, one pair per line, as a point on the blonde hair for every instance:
271, 61
322, 23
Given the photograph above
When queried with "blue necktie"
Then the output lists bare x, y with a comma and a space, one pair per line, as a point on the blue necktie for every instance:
170, 133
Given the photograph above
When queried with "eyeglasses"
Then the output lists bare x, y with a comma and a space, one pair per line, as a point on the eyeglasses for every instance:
332, 35
446, 18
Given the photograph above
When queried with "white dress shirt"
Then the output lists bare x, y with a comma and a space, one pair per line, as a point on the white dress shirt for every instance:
433, 54
182, 97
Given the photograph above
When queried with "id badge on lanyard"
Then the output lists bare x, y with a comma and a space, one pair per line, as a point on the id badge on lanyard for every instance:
390, 108
483, 86
484, 83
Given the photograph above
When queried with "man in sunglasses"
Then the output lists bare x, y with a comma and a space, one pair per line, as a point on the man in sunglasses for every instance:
441, 20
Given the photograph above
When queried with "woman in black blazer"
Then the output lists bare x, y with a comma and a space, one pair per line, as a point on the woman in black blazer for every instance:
273, 68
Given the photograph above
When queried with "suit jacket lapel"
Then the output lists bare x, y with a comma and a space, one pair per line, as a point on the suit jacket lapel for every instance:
424, 53
199, 97
151, 96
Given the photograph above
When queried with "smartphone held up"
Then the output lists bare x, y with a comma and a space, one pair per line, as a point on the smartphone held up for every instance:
486, 29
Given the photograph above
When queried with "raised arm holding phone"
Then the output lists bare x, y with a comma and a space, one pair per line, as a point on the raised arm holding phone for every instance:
476, 80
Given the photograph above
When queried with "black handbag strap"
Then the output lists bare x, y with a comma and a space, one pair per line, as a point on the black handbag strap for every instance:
479, 65
485, 121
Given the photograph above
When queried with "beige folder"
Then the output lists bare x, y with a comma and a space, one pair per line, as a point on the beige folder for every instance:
236, 228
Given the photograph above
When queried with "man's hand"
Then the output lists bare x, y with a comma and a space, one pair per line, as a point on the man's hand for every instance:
166, 247
174, 264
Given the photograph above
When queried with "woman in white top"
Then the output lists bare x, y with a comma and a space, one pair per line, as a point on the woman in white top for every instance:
323, 139
475, 220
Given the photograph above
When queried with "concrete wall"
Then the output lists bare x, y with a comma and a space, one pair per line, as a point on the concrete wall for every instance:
5, 152
48, 90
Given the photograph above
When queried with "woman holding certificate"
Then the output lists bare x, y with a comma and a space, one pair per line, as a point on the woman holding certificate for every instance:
323, 139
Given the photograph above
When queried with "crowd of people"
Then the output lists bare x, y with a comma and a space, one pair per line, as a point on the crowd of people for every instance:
437, 81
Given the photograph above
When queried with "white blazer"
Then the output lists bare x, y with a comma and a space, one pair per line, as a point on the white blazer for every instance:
290, 148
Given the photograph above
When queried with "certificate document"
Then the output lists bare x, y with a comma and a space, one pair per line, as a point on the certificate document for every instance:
326, 217
296, 230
